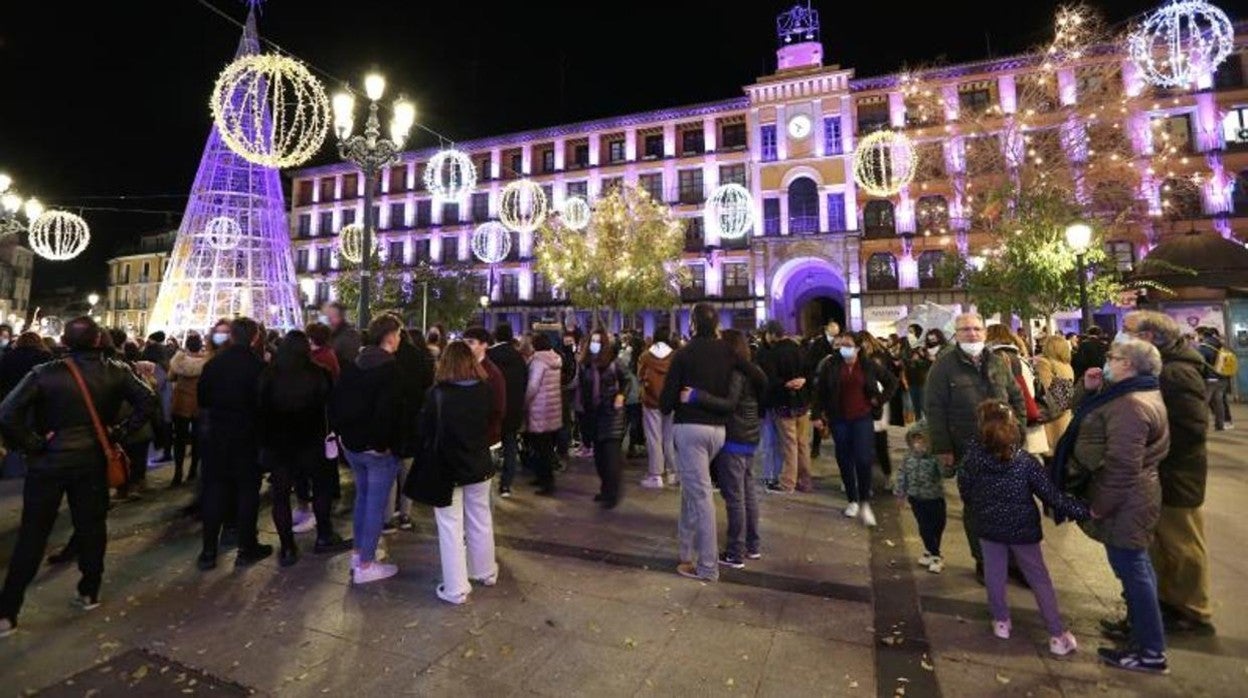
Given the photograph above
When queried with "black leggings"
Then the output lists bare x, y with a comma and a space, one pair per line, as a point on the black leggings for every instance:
542, 448
610, 464
288, 465
184, 437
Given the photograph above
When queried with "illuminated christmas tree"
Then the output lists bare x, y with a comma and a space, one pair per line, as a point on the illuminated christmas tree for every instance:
232, 254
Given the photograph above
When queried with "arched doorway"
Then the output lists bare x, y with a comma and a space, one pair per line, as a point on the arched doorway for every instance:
806, 292
803, 206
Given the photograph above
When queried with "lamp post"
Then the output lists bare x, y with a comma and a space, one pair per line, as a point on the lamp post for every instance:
1078, 237
484, 302
11, 205
92, 298
370, 152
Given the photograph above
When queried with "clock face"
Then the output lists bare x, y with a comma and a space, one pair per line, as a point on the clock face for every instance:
799, 126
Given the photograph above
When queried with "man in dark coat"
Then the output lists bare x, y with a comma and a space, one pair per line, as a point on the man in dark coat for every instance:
478, 340
820, 347
343, 337
1091, 352
1179, 553
788, 399
47, 417
228, 396
515, 372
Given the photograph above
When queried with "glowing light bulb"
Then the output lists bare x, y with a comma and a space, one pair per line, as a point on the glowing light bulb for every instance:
374, 86
5, 182
11, 202
34, 209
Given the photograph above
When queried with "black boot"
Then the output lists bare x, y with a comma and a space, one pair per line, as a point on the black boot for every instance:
250, 556
207, 560
67, 554
288, 556
331, 545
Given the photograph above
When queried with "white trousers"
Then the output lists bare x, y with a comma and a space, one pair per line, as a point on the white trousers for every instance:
660, 449
467, 518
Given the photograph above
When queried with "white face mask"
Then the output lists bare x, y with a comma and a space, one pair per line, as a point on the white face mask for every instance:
848, 353
595, 347
972, 348
933, 351
220, 338
1121, 337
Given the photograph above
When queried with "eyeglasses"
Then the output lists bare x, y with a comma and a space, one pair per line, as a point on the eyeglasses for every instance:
970, 329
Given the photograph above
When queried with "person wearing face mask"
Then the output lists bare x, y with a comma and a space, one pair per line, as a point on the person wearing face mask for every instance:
602, 397
850, 392
219, 337
6, 338
820, 347
918, 360
960, 379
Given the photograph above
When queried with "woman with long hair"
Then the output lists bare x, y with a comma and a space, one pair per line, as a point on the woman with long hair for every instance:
184, 371
602, 403
455, 475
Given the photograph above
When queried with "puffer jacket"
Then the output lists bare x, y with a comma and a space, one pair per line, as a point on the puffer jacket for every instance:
744, 393
1185, 467
185, 370
543, 403
48, 400
1002, 494
1121, 443
955, 387
920, 475
608, 419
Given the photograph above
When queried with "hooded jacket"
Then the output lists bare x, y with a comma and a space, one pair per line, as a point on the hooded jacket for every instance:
652, 370
920, 475
292, 406
543, 402
1184, 469
184, 371
1002, 493
366, 408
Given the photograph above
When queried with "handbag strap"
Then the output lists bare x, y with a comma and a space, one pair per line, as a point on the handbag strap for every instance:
100, 434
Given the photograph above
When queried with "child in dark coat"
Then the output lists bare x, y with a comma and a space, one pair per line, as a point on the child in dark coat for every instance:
999, 481
921, 482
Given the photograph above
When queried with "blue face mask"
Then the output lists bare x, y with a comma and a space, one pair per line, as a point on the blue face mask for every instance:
595, 347
220, 338
848, 353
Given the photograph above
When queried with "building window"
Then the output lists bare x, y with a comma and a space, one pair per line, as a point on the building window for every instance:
736, 280
615, 151
483, 168
695, 234
398, 215
609, 184
1235, 127
450, 213
929, 265
768, 141
398, 178
692, 141
882, 272
548, 161
771, 216
517, 164
878, 219
836, 212
301, 260
1239, 194
450, 250
421, 253
424, 213
732, 136
348, 216
652, 184
1230, 74
1121, 254
305, 225
395, 253
509, 287
548, 190
696, 288
326, 223
480, 207
1172, 132
732, 174
872, 117
541, 288
690, 183
803, 206
322, 258
303, 193
932, 215
327, 189
832, 135
1180, 199
322, 293
350, 186
654, 146
975, 101
580, 155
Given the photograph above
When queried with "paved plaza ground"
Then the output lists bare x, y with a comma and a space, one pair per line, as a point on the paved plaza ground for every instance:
588, 604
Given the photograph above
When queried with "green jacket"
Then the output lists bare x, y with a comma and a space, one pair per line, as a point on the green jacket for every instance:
920, 476
1184, 469
955, 387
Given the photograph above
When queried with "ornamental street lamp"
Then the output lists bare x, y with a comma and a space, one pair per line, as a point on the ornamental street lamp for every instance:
370, 152
1079, 237
11, 205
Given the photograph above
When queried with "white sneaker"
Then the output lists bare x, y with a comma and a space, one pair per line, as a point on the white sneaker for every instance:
926, 559
852, 510
486, 581
85, 603
937, 566
1062, 645
304, 521
457, 600
1001, 628
652, 482
868, 516
375, 572
6, 627
380, 555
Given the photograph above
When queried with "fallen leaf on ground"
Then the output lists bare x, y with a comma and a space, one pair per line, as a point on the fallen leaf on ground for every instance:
468, 653
731, 682
140, 673
889, 542
853, 684
1003, 680
925, 664
630, 643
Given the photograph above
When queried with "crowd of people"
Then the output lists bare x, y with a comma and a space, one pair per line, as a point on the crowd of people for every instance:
1110, 434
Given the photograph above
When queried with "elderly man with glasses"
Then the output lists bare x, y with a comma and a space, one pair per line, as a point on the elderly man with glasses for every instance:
959, 380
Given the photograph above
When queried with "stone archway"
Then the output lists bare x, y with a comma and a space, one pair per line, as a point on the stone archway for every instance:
805, 292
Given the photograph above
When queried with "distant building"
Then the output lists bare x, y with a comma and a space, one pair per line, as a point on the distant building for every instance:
134, 278
16, 262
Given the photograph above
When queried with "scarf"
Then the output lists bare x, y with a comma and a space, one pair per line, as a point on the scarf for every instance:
1059, 471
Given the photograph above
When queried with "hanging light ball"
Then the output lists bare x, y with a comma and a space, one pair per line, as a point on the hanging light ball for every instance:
576, 213
450, 174
730, 211
351, 243
522, 206
1179, 39
270, 110
223, 233
884, 163
491, 242
58, 235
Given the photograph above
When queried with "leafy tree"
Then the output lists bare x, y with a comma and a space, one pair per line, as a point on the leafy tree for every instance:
453, 292
625, 260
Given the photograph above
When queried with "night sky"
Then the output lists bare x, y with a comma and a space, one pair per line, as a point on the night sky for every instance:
104, 99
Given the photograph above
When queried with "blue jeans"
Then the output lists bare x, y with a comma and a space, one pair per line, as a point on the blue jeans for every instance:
511, 456
769, 450
1139, 585
374, 475
916, 400
855, 454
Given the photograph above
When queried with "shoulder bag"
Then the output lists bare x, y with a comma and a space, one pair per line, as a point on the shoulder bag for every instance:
114, 454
